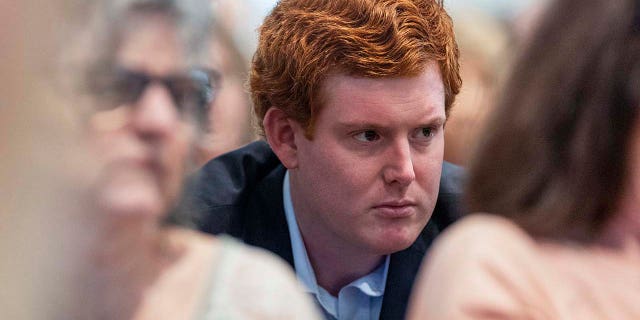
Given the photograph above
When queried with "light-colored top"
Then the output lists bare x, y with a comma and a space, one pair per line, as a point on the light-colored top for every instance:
485, 267
359, 300
250, 283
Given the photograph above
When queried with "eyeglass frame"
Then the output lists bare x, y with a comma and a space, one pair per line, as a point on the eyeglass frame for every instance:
208, 81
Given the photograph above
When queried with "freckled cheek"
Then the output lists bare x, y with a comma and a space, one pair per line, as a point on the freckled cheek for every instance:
340, 177
361, 186
428, 172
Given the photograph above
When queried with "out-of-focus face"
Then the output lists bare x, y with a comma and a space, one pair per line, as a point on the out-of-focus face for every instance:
144, 142
369, 178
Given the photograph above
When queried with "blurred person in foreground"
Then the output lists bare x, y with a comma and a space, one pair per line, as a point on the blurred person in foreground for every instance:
43, 220
352, 97
150, 97
560, 174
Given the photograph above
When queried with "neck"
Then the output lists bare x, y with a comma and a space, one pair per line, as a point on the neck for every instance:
128, 257
128, 241
335, 265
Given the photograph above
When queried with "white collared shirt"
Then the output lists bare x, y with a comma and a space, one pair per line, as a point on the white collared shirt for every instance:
361, 299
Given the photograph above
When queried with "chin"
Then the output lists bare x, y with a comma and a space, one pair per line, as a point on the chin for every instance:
151, 210
388, 244
136, 204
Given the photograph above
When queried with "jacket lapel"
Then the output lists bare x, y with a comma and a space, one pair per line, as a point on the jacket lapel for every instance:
265, 224
403, 268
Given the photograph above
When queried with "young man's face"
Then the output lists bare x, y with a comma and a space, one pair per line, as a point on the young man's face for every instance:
368, 180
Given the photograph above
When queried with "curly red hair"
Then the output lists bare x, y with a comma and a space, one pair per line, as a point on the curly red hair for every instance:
303, 41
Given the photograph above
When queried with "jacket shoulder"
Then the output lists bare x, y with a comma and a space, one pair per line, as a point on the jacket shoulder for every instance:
217, 192
449, 206
452, 179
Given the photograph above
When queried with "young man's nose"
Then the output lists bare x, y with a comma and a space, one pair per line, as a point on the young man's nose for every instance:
399, 164
155, 113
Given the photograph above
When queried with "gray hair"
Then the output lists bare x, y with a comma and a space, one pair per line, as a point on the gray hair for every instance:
192, 18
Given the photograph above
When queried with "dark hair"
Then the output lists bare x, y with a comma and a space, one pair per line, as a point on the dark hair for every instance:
303, 41
554, 155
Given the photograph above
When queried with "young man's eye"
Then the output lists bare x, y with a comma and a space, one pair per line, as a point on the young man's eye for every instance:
367, 136
425, 133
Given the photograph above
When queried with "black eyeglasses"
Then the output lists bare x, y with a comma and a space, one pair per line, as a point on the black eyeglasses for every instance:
192, 92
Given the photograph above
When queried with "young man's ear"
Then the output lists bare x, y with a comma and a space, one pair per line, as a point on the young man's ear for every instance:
280, 131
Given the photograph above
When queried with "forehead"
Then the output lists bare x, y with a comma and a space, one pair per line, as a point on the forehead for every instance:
352, 98
150, 43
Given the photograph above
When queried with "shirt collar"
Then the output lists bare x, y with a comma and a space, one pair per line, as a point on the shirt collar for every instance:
373, 284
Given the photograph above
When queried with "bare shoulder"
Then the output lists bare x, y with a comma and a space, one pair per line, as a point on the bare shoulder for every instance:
483, 264
480, 232
483, 245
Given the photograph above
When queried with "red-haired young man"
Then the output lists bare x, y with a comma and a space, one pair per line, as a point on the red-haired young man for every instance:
352, 98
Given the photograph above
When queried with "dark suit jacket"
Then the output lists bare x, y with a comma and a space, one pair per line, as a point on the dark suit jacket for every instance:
240, 194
